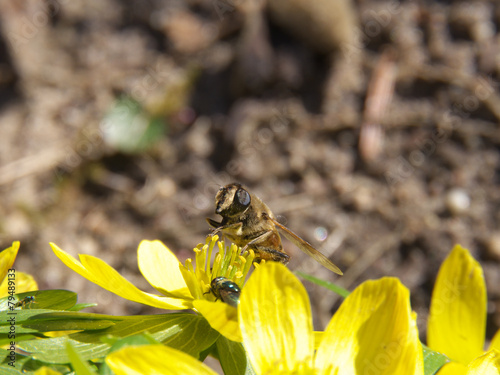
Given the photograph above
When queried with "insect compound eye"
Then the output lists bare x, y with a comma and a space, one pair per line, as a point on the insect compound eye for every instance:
243, 197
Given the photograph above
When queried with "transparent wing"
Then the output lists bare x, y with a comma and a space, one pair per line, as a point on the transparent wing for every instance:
306, 247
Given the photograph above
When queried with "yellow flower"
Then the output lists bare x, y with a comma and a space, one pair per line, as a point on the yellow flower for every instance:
181, 286
487, 364
155, 359
457, 316
373, 332
20, 282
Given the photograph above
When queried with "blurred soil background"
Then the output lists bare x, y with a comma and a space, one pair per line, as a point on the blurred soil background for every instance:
371, 127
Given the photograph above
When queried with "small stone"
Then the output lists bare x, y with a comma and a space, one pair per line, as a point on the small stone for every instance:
493, 245
457, 201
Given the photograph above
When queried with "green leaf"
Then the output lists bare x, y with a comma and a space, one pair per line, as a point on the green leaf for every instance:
433, 361
186, 332
136, 340
211, 350
192, 334
81, 306
9, 370
32, 321
233, 357
326, 284
129, 128
56, 299
80, 366
13, 366
31, 365
67, 325
5, 340
3, 353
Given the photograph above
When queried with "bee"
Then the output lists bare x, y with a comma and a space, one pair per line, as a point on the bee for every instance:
22, 303
250, 224
225, 290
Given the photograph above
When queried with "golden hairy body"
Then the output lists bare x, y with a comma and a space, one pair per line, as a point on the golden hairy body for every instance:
249, 223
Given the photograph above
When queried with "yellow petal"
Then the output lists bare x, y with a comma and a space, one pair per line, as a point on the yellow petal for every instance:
318, 337
221, 317
457, 316
373, 332
71, 262
7, 258
100, 273
46, 371
495, 342
487, 364
453, 368
25, 283
154, 360
275, 320
161, 268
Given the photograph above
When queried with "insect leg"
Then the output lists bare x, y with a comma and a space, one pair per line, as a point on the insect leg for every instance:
264, 251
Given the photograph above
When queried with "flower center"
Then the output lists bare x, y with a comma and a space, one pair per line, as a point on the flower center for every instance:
228, 263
